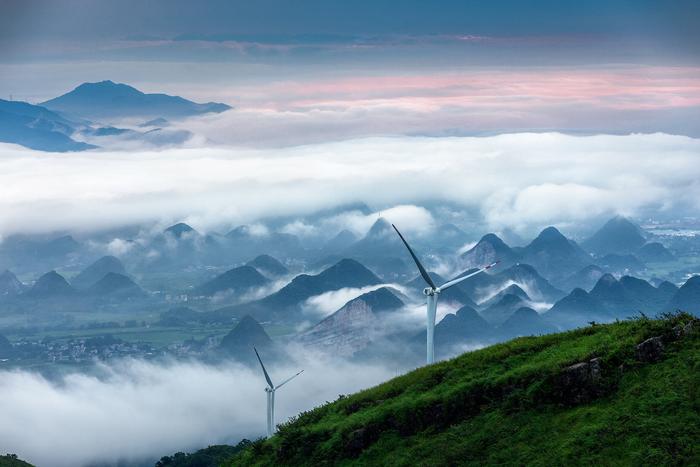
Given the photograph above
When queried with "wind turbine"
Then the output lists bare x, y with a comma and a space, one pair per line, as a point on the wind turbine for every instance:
432, 291
270, 390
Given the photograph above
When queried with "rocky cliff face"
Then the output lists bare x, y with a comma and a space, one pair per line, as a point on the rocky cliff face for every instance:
351, 328
344, 332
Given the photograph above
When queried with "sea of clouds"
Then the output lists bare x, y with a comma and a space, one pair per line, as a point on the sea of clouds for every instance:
519, 181
136, 411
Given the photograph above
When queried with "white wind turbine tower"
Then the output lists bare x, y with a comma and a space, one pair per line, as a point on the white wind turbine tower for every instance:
432, 292
270, 390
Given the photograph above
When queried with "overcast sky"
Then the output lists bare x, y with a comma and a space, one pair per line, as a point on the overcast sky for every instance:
87, 19
572, 66
337, 76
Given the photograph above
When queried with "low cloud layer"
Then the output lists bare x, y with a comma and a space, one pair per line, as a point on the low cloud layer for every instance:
327, 303
138, 411
514, 180
414, 219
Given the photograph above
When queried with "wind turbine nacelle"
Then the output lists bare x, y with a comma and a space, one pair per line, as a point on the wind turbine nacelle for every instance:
430, 291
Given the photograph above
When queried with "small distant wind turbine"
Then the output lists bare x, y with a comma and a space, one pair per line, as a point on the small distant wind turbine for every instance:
432, 292
270, 390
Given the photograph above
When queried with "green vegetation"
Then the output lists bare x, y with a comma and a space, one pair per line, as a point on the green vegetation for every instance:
211, 456
11, 460
518, 403
159, 336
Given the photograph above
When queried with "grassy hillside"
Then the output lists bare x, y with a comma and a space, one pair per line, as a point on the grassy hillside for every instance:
11, 460
519, 403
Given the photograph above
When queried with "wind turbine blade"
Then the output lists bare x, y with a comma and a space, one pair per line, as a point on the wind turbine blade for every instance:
288, 380
422, 270
456, 281
267, 377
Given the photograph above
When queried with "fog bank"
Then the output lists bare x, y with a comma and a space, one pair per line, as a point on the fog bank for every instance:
138, 410
515, 180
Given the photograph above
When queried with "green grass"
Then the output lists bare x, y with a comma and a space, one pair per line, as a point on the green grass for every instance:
504, 405
11, 460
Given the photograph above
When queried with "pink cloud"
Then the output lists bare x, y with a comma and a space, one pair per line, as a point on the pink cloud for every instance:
624, 88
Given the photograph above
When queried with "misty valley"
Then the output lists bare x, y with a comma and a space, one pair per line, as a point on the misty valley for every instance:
144, 304
179, 293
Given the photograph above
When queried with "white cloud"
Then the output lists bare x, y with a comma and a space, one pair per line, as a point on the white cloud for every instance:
300, 229
141, 411
517, 180
466, 247
327, 303
411, 218
119, 247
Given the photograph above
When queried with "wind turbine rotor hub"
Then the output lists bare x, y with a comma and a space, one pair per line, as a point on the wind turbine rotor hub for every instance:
432, 293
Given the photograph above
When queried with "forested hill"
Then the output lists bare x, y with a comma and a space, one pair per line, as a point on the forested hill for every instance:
619, 394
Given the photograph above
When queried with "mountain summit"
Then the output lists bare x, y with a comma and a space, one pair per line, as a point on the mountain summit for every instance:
97, 270
489, 249
618, 235
554, 255
51, 285
107, 99
10, 286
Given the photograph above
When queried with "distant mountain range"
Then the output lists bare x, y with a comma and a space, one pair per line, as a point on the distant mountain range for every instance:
10, 286
687, 298
179, 230
236, 280
524, 322
110, 100
618, 247
53, 289
97, 270
465, 325
59, 124
37, 127
116, 286
269, 266
618, 235
487, 250
551, 253
202, 278
51, 285
612, 299
282, 304
484, 286
503, 309
247, 333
